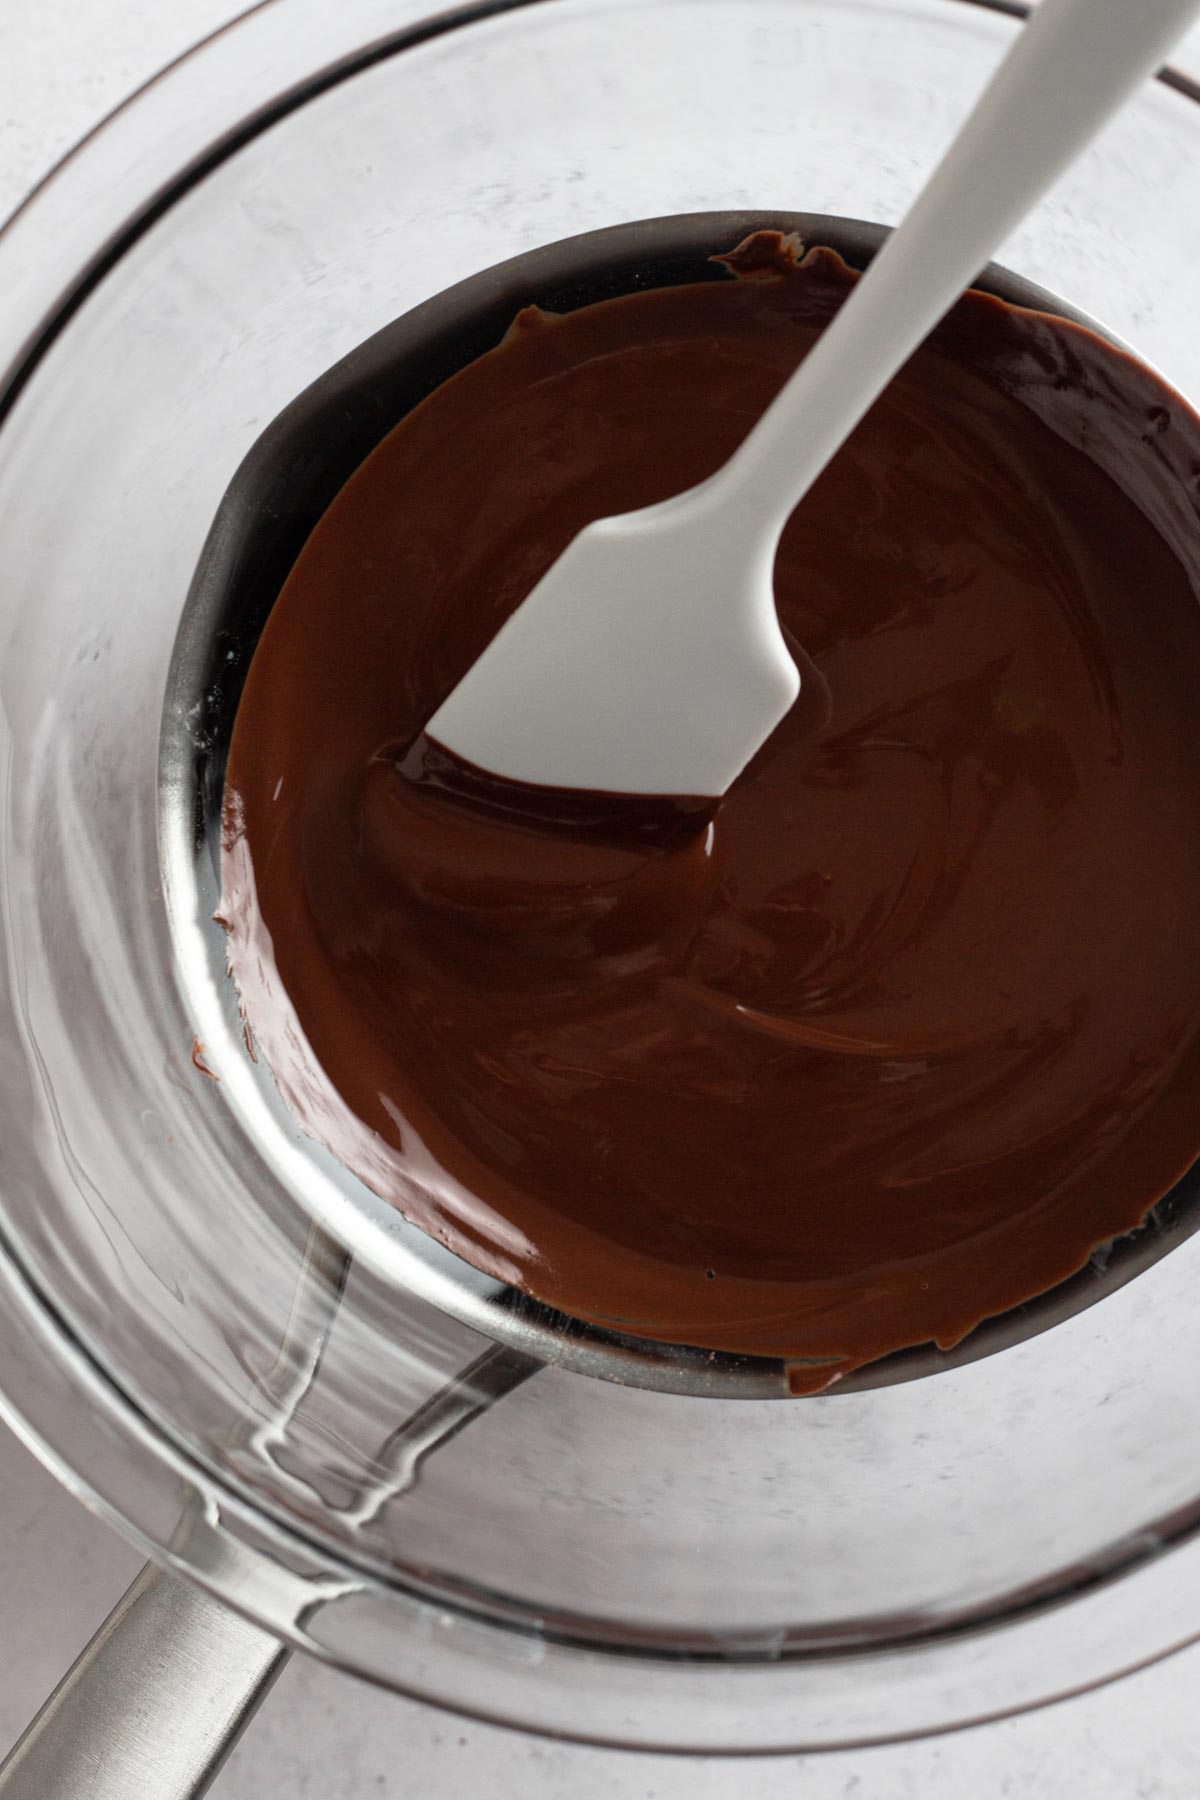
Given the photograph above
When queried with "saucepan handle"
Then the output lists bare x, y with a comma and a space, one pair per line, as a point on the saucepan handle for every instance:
154, 1704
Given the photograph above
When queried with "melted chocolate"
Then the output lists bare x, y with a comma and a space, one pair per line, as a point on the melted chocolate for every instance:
901, 1033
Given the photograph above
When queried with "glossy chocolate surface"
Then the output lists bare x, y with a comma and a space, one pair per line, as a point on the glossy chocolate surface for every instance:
894, 1039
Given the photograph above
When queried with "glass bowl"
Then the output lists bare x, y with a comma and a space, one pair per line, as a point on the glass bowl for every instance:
399, 1467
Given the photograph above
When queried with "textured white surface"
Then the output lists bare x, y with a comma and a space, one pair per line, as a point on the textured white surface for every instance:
320, 1734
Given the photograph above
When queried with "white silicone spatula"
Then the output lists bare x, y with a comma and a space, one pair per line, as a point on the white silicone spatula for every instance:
649, 658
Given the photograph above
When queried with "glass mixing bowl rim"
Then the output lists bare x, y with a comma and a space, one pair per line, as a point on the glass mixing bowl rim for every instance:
1178, 1529
58, 315
119, 1404
87, 1378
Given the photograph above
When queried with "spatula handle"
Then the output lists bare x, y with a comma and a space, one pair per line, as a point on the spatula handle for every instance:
1070, 69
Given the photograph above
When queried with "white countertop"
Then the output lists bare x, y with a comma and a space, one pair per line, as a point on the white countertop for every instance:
62, 64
